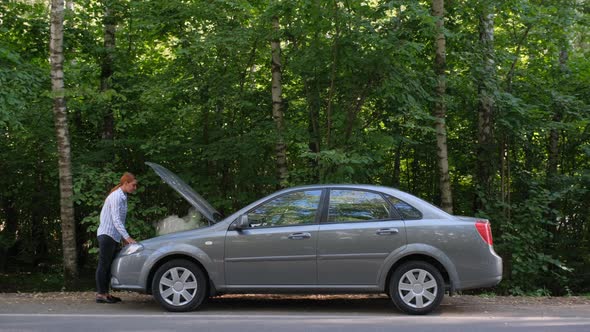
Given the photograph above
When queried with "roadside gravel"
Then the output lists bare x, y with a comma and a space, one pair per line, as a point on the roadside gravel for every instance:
83, 302
8, 298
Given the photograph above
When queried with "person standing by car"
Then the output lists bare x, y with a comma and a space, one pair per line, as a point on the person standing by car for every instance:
110, 233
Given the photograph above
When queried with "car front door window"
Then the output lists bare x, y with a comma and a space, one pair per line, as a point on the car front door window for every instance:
298, 208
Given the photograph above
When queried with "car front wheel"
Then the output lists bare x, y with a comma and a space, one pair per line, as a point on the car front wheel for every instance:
416, 288
179, 285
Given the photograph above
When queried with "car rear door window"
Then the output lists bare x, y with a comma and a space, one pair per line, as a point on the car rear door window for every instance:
356, 205
297, 208
406, 211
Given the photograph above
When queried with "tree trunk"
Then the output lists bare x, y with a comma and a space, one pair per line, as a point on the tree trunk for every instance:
353, 111
505, 179
415, 172
440, 109
331, 92
313, 128
395, 182
553, 149
551, 179
106, 71
312, 88
486, 89
68, 224
505, 176
553, 146
9, 231
277, 105
38, 233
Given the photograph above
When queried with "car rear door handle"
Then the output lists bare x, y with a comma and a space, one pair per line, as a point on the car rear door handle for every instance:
387, 231
299, 236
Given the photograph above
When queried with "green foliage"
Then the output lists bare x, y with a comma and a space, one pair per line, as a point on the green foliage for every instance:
523, 234
29, 282
190, 89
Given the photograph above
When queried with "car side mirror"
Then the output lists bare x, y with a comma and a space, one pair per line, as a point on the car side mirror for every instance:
242, 222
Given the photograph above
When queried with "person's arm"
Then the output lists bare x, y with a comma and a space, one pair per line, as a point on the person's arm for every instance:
116, 217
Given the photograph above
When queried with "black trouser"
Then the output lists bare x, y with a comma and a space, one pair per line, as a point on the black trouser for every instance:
107, 249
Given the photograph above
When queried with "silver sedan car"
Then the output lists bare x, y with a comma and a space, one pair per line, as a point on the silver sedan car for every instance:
314, 239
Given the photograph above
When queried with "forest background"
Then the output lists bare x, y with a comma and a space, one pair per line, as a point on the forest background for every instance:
241, 98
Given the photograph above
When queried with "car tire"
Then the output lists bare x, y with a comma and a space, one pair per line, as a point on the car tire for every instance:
416, 288
179, 285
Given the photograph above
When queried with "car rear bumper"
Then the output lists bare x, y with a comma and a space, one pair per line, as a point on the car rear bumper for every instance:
489, 275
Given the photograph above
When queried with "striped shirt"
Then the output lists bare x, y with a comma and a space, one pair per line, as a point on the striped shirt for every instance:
112, 216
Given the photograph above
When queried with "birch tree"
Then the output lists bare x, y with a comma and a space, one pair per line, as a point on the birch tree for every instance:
277, 105
68, 225
440, 108
106, 72
486, 90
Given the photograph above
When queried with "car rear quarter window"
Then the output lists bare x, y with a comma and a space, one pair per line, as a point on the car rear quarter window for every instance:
297, 208
405, 210
356, 205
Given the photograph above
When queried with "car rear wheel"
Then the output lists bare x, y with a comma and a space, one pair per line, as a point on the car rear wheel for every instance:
179, 285
416, 288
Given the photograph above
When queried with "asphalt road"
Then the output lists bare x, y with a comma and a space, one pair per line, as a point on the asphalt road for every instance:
77, 312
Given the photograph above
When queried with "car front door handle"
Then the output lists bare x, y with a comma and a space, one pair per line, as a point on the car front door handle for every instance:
387, 231
299, 236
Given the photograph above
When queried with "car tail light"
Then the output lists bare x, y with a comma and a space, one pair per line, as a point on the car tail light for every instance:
485, 231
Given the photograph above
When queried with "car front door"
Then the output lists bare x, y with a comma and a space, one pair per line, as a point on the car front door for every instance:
360, 230
279, 246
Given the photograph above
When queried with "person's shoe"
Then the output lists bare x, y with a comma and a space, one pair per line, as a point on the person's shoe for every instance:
114, 298
105, 300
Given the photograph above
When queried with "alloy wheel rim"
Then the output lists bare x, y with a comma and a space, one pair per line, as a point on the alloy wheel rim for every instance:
417, 288
178, 286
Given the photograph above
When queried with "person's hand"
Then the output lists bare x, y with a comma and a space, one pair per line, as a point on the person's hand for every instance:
130, 240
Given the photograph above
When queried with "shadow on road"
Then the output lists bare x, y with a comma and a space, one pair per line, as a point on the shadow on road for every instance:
301, 304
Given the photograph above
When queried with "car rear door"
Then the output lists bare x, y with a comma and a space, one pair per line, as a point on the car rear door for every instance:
359, 230
279, 247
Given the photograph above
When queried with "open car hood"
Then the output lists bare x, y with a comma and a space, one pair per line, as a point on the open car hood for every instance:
187, 192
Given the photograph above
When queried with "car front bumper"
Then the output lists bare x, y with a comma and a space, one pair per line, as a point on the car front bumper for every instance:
127, 272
